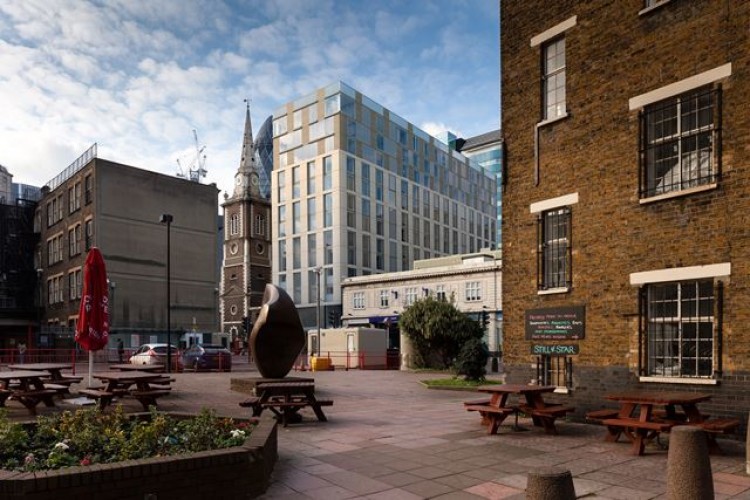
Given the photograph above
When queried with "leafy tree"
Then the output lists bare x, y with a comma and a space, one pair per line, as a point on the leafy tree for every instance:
472, 360
437, 331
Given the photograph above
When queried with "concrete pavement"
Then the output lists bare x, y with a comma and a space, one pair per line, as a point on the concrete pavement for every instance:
388, 437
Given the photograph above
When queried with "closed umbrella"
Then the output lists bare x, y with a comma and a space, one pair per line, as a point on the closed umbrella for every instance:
92, 328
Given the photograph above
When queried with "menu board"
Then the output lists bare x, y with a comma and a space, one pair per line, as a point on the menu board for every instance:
556, 323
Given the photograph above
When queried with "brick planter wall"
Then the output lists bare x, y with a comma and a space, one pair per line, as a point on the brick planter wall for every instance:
231, 473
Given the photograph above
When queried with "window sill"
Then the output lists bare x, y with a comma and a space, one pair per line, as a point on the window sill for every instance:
550, 121
552, 291
677, 194
676, 380
562, 390
653, 7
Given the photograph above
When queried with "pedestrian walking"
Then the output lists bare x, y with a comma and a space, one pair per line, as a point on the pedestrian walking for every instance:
21, 352
120, 350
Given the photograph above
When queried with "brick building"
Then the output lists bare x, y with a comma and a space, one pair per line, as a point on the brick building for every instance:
117, 208
625, 244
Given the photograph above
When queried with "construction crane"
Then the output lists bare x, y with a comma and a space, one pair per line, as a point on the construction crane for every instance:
196, 167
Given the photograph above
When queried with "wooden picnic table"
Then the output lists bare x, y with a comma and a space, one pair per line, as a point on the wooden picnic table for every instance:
124, 367
30, 390
496, 409
285, 399
54, 369
119, 383
645, 424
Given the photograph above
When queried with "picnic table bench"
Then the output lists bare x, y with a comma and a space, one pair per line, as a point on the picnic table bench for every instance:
641, 422
285, 400
492, 416
118, 384
148, 397
716, 426
26, 387
496, 409
102, 397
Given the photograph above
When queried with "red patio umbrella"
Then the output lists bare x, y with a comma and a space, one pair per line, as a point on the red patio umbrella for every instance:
92, 328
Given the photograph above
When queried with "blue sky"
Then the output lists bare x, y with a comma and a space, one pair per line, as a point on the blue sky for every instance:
137, 76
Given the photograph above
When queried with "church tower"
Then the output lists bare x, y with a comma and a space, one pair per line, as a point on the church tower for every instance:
247, 239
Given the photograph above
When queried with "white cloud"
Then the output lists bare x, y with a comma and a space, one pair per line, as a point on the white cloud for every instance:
136, 76
435, 128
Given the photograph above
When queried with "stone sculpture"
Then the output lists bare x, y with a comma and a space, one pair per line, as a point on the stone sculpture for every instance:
277, 336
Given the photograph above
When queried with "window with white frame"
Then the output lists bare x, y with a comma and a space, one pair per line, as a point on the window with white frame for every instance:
553, 79
440, 293
358, 300
260, 225
72, 285
680, 326
89, 224
680, 137
411, 296
384, 294
473, 291
234, 224
554, 252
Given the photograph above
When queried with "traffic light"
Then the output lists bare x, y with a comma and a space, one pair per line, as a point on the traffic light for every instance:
485, 320
332, 318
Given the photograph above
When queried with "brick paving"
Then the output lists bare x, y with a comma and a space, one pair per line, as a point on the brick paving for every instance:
388, 437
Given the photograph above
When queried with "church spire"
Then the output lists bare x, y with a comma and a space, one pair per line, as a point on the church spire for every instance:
246, 178
248, 148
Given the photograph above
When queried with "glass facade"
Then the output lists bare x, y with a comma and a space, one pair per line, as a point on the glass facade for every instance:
379, 176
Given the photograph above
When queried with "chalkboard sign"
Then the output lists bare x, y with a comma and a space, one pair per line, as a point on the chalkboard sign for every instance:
554, 349
556, 323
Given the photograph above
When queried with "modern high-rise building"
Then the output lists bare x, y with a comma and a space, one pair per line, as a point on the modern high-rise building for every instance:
247, 234
358, 190
486, 150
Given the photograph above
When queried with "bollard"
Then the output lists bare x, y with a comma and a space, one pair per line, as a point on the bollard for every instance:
688, 465
550, 483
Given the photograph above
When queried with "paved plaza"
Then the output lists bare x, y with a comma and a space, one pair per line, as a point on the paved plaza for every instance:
388, 437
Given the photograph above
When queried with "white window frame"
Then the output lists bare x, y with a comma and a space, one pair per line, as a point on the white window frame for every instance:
681, 274
411, 295
551, 78
473, 291
384, 298
358, 300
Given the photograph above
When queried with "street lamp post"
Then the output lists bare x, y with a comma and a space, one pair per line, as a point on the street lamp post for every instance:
167, 219
317, 271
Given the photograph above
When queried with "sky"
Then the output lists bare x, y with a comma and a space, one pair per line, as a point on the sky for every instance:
138, 76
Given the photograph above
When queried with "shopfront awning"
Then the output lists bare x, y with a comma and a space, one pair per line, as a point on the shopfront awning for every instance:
383, 319
357, 321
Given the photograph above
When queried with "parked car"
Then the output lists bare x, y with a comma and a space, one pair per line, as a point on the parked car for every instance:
155, 354
207, 357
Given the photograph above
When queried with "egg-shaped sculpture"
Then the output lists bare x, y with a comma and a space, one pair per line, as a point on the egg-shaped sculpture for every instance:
277, 336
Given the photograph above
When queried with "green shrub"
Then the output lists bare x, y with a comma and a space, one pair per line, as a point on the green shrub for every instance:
89, 436
472, 359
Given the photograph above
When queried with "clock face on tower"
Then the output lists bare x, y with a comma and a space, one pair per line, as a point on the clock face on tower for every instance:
254, 179
238, 180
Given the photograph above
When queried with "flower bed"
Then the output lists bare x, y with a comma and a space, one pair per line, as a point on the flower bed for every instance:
109, 457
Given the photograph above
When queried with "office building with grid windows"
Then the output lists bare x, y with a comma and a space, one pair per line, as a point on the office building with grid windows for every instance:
358, 190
